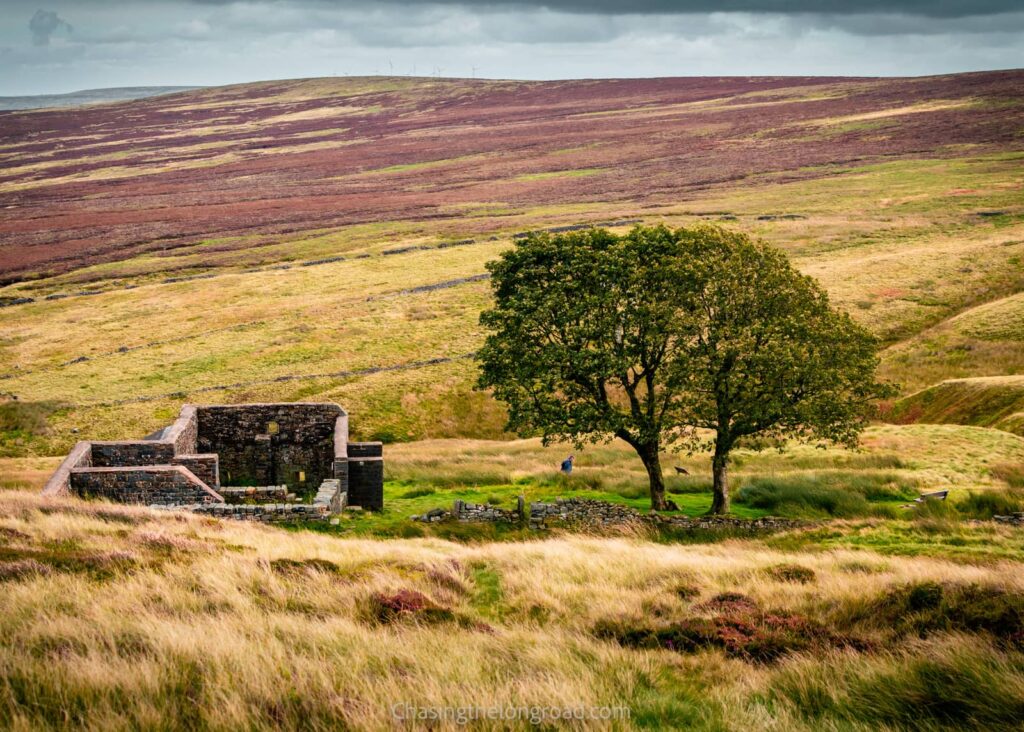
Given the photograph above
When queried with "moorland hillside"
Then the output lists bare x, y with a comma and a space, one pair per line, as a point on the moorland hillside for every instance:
326, 238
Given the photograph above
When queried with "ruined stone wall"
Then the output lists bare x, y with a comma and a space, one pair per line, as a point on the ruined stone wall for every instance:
581, 511
131, 452
588, 513
330, 499
255, 494
271, 444
59, 483
155, 484
268, 513
184, 431
302, 447
484, 513
1016, 519
205, 467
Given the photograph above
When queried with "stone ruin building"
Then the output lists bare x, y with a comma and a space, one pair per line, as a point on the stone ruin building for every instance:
261, 462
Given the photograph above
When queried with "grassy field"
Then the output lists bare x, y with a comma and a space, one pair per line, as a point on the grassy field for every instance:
327, 240
982, 468
120, 618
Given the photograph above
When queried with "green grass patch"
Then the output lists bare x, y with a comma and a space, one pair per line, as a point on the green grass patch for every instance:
832, 494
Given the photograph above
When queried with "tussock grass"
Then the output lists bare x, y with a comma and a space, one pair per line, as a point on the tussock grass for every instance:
223, 624
837, 494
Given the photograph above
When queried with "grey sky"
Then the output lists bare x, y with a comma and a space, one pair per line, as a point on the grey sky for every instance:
53, 46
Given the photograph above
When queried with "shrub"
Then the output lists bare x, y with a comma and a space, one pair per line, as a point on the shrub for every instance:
21, 568
737, 627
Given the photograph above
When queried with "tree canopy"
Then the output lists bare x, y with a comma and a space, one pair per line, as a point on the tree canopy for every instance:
693, 338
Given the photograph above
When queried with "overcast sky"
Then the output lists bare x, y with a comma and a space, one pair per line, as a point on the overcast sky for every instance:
53, 46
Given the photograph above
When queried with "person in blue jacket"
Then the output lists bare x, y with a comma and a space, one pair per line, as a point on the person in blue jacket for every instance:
567, 464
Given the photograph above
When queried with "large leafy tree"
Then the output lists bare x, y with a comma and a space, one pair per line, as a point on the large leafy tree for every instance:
693, 337
763, 354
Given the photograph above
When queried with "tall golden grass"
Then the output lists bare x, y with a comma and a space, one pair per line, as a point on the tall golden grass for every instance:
114, 617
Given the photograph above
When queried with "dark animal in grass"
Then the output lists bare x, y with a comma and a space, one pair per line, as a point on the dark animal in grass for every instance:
682, 471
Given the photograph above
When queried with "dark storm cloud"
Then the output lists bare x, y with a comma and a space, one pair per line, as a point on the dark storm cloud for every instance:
207, 42
44, 24
920, 8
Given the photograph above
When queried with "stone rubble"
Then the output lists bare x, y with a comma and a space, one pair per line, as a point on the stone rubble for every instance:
1015, 519
590, 513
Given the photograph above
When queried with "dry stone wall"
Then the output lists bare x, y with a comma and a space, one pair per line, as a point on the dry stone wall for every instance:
271, 444
205, 467
152, 484
330, 499
581, 511
135, 452
255, 494
1015, 519
590, 513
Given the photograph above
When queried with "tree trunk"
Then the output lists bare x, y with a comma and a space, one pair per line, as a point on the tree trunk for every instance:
649, 457
720, 482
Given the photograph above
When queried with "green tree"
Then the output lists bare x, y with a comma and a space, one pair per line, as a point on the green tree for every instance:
693, 337
764, 355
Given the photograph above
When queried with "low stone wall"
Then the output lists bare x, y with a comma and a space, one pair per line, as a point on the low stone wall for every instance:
1016, 519
332, 495
263, 512
159, 484
256, 494
330, 499
483, 513
205, 467
590, 513
723, 523
126, 453
584, 511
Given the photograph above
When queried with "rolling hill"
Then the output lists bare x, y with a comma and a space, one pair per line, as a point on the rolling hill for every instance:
326, 238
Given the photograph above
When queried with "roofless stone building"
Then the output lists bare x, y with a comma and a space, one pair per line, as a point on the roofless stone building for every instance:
263, 462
